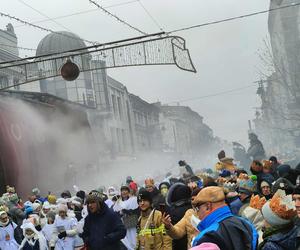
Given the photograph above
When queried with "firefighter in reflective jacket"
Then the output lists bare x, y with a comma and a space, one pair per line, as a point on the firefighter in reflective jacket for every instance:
150, 229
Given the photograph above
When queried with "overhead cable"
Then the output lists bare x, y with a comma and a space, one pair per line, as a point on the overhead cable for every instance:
40, 27
79, 13
116, 17
232, 18
149, 14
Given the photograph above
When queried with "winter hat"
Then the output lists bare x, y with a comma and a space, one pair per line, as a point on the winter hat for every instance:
62, 207
76, 201
296, 190
280, 210
36, 191
264, 184
10, 189
81, 194
128, 179
66, 194
209, 194
181, 163
240, 171
273, 159
257, 202
144, 195
283, 170
133, 186
35, 206
180, 192
149, 182
94, 196
206, 246
124, 187
230, 187
166, 184
247, 186
28, 210
46, 205
52, 199
283, 184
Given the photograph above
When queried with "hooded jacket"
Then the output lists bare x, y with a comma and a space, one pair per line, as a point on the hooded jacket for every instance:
103, 230
282, 240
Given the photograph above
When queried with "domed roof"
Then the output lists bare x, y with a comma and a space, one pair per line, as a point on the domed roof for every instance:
59, 42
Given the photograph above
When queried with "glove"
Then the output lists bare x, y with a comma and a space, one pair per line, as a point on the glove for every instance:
62, 235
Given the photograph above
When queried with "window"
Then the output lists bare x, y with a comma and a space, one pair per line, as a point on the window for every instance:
113, 99
120, 108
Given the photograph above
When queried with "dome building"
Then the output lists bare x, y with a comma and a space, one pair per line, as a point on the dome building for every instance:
80, 90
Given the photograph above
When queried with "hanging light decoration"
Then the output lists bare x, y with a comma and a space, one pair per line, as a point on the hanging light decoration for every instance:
70, 70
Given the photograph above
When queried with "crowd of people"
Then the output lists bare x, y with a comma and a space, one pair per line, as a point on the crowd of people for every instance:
227, 208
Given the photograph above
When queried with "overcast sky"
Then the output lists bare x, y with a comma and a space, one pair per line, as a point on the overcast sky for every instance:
225, 55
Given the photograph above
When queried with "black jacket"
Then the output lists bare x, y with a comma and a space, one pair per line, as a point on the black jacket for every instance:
103, 230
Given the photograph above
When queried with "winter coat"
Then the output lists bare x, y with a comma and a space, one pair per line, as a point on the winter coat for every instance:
235, 205
282, 240
177, 212
150, 232
68, 225
7, 240
227, 231
184, 227
103, 230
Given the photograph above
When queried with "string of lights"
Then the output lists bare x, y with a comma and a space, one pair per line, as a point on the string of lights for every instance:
39, 27
232, 18
79, 13
117, 18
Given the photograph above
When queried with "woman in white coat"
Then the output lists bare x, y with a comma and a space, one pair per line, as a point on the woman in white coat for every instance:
7, 229
64, 231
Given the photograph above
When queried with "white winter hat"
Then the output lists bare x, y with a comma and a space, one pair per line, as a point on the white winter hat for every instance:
280, 210
46, 205
62, 207
35, 206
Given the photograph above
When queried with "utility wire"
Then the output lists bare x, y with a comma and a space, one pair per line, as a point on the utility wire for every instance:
79, 13
44, 15
213, 95
149, 14
232, 18
39, 27
117, 18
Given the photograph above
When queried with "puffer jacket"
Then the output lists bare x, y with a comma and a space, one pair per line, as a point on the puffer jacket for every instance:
282, 240
184, 227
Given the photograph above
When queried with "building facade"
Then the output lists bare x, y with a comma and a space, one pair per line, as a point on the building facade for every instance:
146, 124
278, 120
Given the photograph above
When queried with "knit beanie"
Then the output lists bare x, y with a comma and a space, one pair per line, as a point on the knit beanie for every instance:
180, 192
283, 184
52, 199
283, 170
167, 184
247, 186
280, 210
144, 195
81, 194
